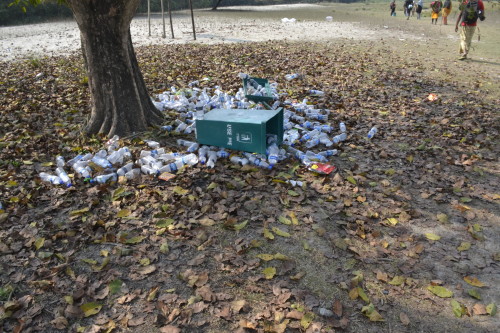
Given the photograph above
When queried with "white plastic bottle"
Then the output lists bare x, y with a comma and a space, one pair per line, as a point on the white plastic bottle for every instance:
328, 153
273, 154
290, 77
190, 159
102, 162
212, 158
372, 132
342, 127
257, 161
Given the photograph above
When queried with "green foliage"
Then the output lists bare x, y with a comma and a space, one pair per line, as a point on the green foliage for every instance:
30, 11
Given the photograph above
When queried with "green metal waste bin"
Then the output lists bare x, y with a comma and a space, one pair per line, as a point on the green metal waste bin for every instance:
266, 98
240, 129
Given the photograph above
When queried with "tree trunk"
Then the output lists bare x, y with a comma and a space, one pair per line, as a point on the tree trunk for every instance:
120, 103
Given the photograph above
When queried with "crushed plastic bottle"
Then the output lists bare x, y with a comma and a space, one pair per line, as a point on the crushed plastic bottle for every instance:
63, 176
60, 161
103, 179
134, 173
372, 132
82, 169
124, 169
212, 159
290, 77
113, 143
239, 160
342, 127
316, 92
152, 144
328, 153
102, 162
51, 178
316, 157
257, 161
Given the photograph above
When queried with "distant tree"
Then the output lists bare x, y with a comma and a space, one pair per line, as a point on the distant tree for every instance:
119, 101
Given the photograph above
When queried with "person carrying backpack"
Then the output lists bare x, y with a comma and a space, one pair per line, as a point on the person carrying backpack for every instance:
436, 8
446, 11
471, 10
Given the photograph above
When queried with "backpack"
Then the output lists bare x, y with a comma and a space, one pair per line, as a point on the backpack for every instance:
447, 4
436, 6
470, 13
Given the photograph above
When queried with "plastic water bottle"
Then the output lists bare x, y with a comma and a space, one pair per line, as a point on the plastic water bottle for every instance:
74, 160
202, 154
257, 161
290, 77
113, 143
317, 157
275, 105
190, 159
328, 153
212, 158
167, 128
82, 169
147, 160
124, 169
239, 160
51, 178
171, 167
273, 154
243, 76
323, 128
87, 157
372, 132
169, 156
134, 173
63, 176
152, 144
222, 154
148, 169
103, 179
313, 142
309, 135
102, 162
342, 127
60, 161
117, 156
101, 153
316, 92
325, 140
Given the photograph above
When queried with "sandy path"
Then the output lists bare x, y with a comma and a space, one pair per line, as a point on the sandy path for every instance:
64, 37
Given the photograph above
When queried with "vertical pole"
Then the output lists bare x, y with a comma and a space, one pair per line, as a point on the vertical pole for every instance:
192, 18
170, 14
163, 19
149, 18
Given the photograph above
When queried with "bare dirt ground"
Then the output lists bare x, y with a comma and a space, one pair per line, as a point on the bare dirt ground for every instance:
414, 209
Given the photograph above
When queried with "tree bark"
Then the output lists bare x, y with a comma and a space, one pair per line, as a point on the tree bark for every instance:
120, 103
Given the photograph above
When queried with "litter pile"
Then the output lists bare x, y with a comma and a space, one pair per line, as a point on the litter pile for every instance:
304, 128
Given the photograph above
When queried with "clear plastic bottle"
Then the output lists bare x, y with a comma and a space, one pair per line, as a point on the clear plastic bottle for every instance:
309, 135
328, 153
171, 167
273, 154
63, 176
257, 161
190, 159
342, 127
323, 128
372, 132
74, 160
152, 144
51, 178
316, 157
101, 153
313, 142
124, 169
316, 92
147, 169
325, 140
167, 128
60, 161
169, 156
222, 154
102, 162
82, 169
103, 179
290, 77
239, 160
212, 158
113, 143
134, 173
116, 157
202, 154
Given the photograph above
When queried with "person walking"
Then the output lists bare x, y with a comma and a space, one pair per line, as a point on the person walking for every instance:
446, 11
471, 10
420, 5
408, 6
392, 6
436, 8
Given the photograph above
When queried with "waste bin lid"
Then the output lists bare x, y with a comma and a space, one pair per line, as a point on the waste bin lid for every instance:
241, 115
